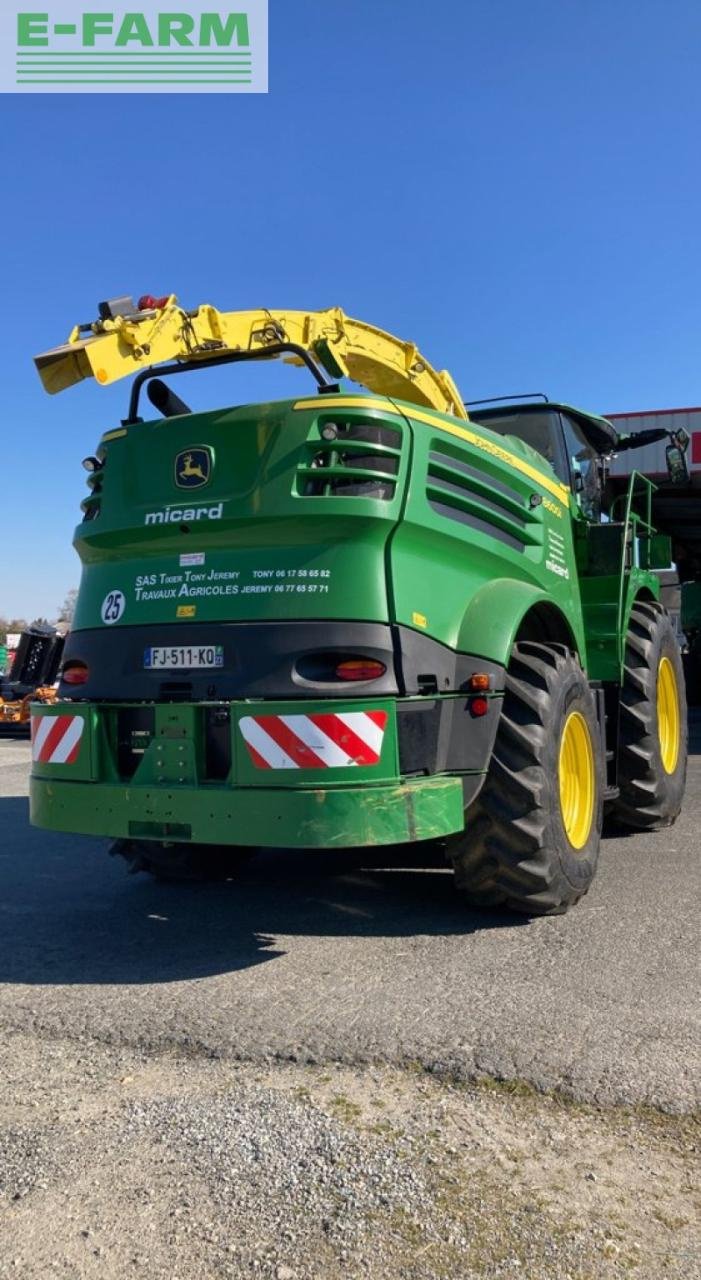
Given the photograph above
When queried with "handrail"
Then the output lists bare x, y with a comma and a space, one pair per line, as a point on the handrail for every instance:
633, 522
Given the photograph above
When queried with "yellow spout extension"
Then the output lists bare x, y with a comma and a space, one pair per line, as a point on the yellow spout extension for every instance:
110, 349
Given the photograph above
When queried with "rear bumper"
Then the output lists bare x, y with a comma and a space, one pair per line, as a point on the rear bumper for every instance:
324, 773
311, 818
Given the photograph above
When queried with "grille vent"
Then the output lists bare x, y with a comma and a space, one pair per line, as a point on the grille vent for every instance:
361, 462
462, 493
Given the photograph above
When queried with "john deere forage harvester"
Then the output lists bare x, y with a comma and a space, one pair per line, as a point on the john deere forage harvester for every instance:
354, 620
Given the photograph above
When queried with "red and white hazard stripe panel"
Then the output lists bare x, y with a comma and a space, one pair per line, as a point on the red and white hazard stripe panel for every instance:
56, 739
317, 741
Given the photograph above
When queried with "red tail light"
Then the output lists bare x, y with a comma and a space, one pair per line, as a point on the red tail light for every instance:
360, 669
479, 706
147, 302
75, 673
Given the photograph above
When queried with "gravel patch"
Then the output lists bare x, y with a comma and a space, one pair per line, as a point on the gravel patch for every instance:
25, 1161
173, 1167
285, 1170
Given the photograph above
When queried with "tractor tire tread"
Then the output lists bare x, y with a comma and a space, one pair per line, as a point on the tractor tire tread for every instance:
647, 800
503, 860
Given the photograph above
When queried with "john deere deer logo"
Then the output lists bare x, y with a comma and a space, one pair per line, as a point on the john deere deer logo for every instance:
193, 468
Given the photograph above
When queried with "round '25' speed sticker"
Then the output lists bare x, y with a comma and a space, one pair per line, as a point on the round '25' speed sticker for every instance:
113, 607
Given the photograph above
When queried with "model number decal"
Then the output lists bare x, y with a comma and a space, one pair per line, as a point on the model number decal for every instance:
556, 558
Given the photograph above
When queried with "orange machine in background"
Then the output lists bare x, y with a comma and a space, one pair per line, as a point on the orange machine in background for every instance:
32, 674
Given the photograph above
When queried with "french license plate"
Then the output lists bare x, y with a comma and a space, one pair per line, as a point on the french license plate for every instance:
191, 656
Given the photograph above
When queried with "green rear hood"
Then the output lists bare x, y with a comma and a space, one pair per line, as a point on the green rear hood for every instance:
244, 539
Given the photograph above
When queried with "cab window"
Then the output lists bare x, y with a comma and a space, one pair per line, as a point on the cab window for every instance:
584, 468
540, 429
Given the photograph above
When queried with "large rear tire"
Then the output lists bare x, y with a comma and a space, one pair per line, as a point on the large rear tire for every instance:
531, 839
182, 862
652, 739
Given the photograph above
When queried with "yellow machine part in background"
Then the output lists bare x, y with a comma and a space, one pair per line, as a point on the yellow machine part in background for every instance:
114, 348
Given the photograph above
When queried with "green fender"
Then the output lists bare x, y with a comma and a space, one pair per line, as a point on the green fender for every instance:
494, 616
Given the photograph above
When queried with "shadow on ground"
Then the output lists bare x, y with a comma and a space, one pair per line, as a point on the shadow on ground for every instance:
70, 914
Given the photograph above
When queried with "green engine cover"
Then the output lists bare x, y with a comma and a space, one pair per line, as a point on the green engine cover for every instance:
252, 513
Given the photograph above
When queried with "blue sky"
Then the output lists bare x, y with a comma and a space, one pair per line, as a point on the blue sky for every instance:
514, 186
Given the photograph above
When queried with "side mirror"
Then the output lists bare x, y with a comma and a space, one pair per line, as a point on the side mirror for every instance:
677, 469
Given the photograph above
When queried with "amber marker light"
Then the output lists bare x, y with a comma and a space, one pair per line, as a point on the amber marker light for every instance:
479, 682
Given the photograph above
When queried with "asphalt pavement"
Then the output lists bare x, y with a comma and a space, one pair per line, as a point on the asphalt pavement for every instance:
356, 957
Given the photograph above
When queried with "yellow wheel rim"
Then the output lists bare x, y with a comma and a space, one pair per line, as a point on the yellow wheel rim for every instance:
668, 718
577, 779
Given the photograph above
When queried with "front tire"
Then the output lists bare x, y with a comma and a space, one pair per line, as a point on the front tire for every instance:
652, 741
531, 839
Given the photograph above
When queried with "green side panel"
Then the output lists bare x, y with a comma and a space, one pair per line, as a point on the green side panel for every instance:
480, 544
607, 603
318, 818
600, 602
